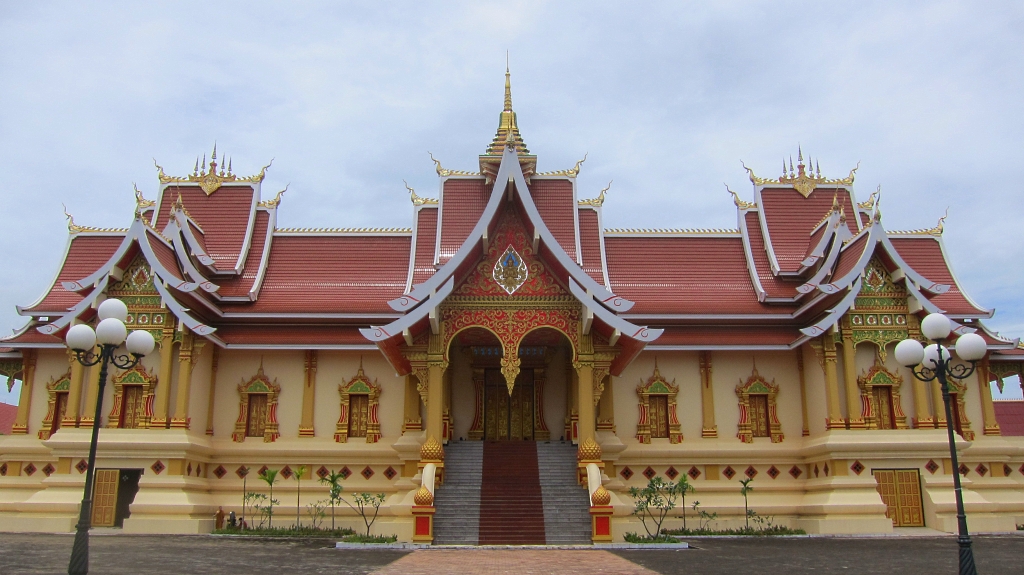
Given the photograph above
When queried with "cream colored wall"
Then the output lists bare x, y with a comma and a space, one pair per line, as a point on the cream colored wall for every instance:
463, 393
199, 394
815, 386
50, 364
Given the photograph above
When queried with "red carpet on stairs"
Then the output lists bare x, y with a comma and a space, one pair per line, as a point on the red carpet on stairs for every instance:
511, 505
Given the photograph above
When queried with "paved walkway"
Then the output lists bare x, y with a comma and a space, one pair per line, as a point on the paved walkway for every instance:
208, 555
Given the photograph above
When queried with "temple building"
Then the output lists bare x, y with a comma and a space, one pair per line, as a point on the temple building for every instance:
507, 367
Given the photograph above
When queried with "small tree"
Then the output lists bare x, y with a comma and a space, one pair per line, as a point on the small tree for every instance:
270, 478
653, 503
744, 490
333, 481
684, 488
298, 492
244, 472
316, 512
362, 503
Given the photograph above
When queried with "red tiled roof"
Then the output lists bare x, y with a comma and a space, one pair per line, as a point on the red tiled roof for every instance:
462, 203
1010, 416
789, 218
704, 335
223, 215
309, 335
426, 238
334, 274
701, 275
165, 253
32, 336
239, 286
85, 255
590, 244
773, 286
850, 256
556, 206
7, 415
924, 254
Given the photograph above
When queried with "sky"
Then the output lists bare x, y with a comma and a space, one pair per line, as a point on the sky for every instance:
665, 98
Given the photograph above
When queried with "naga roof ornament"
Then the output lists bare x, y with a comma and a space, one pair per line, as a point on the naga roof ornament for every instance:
444, 172
274, 202
599, 200
741, 204
804, 179
417, 200
208, 177
571, 172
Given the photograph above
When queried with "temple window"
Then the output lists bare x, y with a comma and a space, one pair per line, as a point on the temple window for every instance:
758, 416
359, 399
257, 411
133, 399
57, 389
759, 424
256, 417
658, 416
880, 398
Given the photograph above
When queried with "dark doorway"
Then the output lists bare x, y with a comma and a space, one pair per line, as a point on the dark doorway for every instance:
508, 416
128, 486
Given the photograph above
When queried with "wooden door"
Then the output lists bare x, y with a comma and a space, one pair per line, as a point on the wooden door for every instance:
882, 396
104, 497
358, 414
60, 408
759, 425
132, 407
659, 415
508, 416
901, 492
256, 419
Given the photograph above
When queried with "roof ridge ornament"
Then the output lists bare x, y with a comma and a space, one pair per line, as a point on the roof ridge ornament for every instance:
276, 201
743, 205
141, 203
72, 226
444, 172
571, 172
870, 202
418, 200
599, 200
208, 177
804, 178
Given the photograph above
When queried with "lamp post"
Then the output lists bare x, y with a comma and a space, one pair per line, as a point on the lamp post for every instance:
110, 334
934, 363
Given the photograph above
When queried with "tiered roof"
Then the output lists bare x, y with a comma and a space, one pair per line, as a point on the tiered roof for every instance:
788, 271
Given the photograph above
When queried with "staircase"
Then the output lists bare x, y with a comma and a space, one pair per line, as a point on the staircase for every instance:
457, 519
566, 503
511, 493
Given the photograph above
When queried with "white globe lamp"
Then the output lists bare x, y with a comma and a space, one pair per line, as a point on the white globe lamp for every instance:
909, 352
140, 343
111, 331
113, 308
81, 337
936, 326
971, 347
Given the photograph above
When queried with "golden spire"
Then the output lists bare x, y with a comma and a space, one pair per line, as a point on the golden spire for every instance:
508, 129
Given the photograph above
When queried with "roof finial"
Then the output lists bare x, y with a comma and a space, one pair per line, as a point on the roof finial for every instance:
799, 153
736, 199
72, 226
508, 86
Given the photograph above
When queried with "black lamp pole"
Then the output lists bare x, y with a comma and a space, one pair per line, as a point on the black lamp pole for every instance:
943, 371
79, 564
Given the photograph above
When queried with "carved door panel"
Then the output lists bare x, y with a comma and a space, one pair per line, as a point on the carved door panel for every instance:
359, 412
901, 492
882, 396
659, 415
132, 408
508, 416
256, 421
104, 497
759, 425
59, 409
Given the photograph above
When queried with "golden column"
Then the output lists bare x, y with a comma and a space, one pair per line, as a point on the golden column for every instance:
163, 385
707, 396
988, 409
28, 377
180, 420
835, 414
853, 406
308, 395
585, 374
90, 397
74, 392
